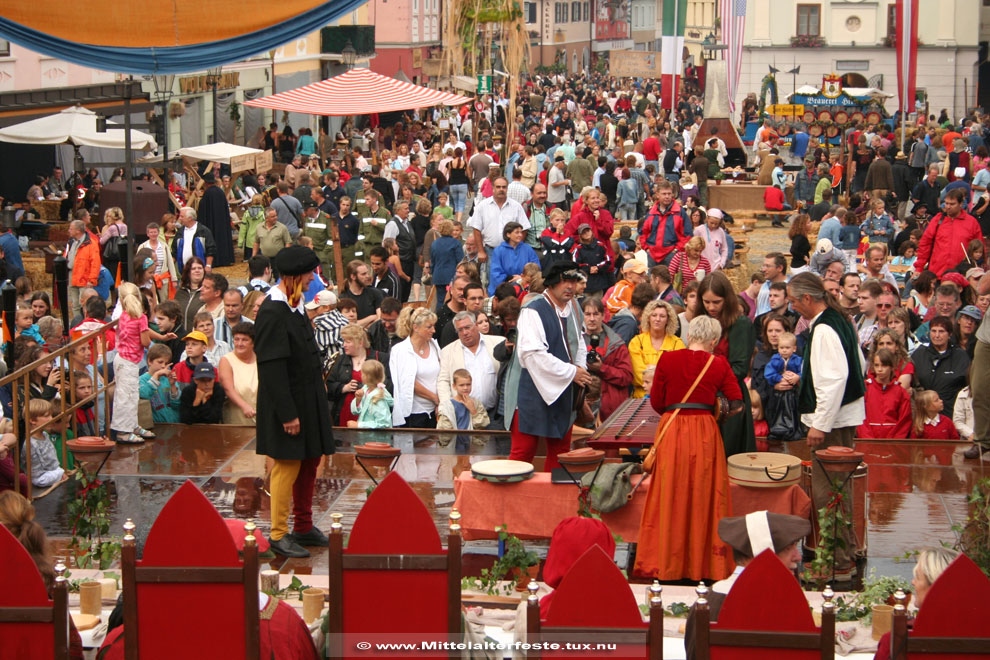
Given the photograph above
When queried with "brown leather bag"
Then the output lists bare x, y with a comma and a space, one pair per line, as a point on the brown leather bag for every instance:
651, 457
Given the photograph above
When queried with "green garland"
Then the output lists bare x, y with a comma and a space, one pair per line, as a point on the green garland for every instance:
769, 84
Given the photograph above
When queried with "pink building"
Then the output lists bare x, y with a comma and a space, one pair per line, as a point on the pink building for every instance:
405, 33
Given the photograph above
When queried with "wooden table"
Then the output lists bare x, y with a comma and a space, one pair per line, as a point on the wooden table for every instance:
531, 509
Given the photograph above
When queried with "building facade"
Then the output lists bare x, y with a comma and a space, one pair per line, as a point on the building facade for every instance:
646, 25
407, 32
855, 40
699, 23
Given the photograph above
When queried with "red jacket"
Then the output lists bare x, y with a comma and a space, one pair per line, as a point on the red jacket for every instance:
86, 267
665, 231
944, 430
943, 245
603, 227
773, 199
888, 411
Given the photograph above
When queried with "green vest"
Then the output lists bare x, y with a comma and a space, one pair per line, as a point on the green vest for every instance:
855, 386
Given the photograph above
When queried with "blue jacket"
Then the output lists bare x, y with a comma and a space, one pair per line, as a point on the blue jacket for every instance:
445, 254
830, 229
203, 245
775, 367
882, 223
105, 283
12, 255
508, 261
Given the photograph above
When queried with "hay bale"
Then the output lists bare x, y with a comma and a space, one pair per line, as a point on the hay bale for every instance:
34, 269
738, 276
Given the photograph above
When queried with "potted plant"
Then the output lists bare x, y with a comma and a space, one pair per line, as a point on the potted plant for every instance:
879, 591
89, 513
517, 563
974, 534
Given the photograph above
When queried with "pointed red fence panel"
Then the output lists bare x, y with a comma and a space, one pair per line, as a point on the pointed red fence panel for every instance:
174, 618
595, 595
765, 597
390, 602
957, 605
21, 586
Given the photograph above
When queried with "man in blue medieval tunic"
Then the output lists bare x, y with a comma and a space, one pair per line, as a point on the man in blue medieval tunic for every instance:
547, 368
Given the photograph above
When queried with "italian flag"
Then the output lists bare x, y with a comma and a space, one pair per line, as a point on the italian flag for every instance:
672, 50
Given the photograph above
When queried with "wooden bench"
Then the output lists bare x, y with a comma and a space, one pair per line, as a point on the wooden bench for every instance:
755, 213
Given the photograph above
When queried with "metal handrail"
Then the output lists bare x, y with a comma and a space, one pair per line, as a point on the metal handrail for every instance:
20, 381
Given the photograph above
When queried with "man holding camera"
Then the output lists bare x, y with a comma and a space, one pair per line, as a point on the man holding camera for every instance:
608, 358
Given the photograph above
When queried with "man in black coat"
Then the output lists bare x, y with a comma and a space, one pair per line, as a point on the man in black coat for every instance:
293, 412
904, 182
214, 213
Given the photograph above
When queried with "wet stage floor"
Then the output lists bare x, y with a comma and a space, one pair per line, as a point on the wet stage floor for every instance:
917, 491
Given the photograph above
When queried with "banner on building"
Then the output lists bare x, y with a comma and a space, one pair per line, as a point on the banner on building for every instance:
634, 64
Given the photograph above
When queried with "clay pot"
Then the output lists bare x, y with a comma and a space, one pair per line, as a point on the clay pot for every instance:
523, 579
378, 454
585, 459
839, 459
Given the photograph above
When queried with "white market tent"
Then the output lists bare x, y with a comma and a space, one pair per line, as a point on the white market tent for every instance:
220, 152
75, 126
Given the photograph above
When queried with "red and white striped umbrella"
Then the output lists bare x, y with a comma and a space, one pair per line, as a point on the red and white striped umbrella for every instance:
357, 92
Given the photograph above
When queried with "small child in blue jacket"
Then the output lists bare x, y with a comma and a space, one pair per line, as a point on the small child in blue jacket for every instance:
784, 361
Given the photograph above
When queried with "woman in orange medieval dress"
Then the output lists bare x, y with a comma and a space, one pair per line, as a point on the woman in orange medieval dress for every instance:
689, 489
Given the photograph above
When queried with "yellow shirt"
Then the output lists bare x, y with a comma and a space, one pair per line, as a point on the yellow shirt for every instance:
643, 355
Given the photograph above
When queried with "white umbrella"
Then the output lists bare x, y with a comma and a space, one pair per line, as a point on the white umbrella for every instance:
75, 126
219, 152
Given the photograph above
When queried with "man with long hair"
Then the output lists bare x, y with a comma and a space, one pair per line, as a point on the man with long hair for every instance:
293, 413
832, 390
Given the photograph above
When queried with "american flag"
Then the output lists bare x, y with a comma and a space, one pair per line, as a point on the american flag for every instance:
733, 13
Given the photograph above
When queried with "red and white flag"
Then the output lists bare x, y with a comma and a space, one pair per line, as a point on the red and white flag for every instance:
907, 53
733, 13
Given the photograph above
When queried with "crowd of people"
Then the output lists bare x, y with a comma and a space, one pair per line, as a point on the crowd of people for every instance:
576, 259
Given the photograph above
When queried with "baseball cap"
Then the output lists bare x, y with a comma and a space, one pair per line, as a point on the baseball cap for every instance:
975, 272
583, 226
824, 246
324, 298
204, 370
196, 335
972, 311
634, 266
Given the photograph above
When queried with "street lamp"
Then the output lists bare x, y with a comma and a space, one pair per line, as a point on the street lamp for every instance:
163, 92
213, 80
349, 54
